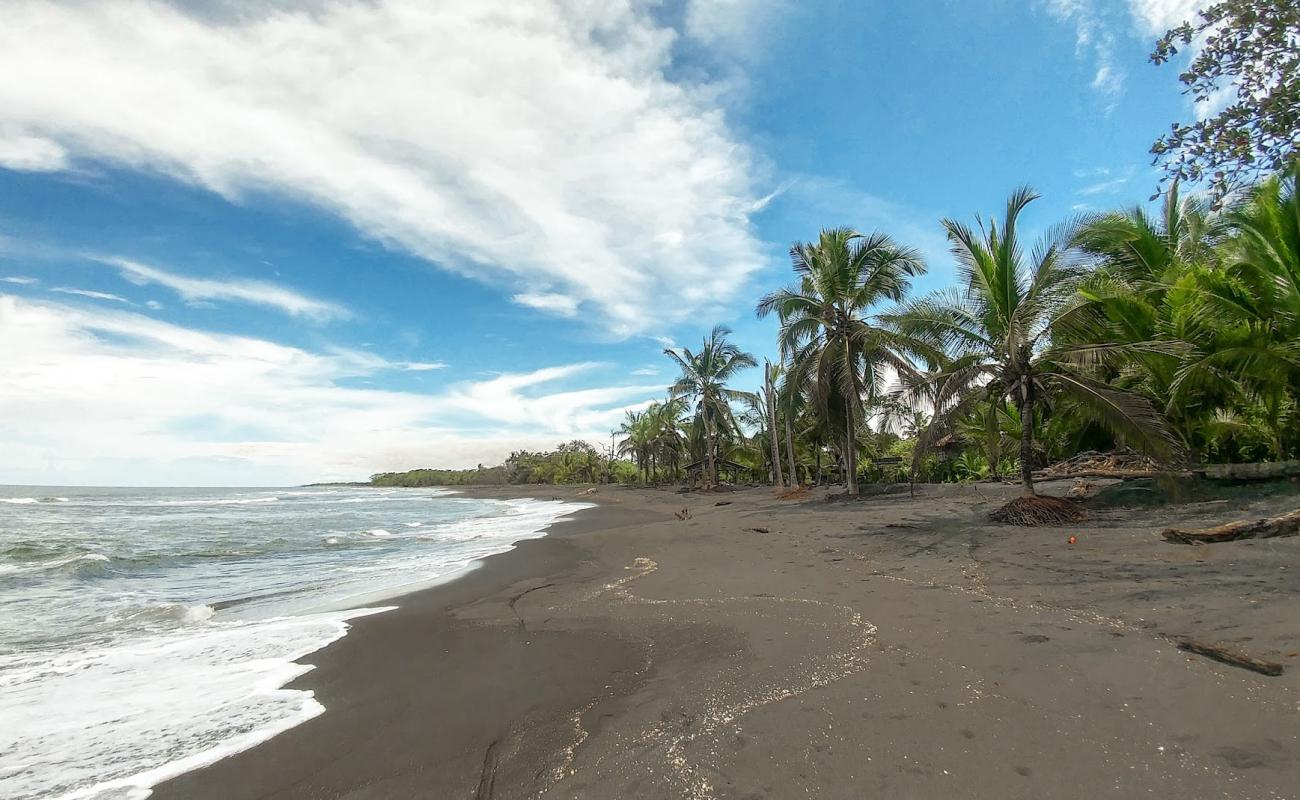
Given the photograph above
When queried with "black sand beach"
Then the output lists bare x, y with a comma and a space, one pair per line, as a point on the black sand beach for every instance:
892, 647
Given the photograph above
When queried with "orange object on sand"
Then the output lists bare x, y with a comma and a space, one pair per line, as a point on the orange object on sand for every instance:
1071, 540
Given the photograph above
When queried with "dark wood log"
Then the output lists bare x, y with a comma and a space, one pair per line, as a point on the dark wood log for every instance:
1267, 528
1232, 658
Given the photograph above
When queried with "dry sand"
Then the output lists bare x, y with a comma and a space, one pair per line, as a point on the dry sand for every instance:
892, 647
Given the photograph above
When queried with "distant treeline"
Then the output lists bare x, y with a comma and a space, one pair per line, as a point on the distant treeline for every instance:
571, 462
441, 477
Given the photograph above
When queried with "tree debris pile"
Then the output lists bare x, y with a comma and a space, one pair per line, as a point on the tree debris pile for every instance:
1039, 511
1092, 464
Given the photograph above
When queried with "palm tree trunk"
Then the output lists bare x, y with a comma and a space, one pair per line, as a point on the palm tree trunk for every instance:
1026, 440
850, 451
775, 437
818, 480
710, 468
789, 452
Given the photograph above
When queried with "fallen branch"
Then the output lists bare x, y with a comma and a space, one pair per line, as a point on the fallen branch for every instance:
1267, 528
758, 530
1231, 657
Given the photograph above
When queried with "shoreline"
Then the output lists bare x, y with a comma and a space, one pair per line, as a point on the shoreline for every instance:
769, 649
330, 672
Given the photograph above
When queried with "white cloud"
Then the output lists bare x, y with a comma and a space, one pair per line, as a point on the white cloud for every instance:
1154, 17
20, 280
1108, 182
244, 291
92, 395
31, 154
91, 294
559, 304
1093, 39
537, 144
421, 366
646, 371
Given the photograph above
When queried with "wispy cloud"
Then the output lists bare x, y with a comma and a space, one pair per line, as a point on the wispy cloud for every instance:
91, 294
243, 291
96, 395
1093, 39
1106, 181
559, 304
20, 280
540, 147
420, 366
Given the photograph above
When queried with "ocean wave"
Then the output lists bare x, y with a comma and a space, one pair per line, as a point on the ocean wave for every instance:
194, 698
224, 501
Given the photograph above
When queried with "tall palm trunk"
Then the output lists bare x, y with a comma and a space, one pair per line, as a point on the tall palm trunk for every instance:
710, 464
1026, 403
789, 451
850, 451
772, 429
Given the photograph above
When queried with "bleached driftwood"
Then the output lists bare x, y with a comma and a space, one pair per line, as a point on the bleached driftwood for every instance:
1267, 528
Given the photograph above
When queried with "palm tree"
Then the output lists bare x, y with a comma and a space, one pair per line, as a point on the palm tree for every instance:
703, 379
996, 331
667, 443
635, 440
771, 372
1257, 305
835, 351
1150, 267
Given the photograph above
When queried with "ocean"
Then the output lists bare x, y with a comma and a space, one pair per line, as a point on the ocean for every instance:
146, 632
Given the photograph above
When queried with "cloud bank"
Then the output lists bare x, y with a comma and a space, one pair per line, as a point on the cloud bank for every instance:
536, 145
104, 396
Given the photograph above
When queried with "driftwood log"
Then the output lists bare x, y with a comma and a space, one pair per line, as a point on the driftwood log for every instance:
1231, 657
1267, 528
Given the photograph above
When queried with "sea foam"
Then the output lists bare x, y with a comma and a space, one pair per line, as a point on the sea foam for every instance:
192, 610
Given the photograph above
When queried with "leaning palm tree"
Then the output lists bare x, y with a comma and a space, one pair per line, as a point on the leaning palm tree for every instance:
835, 350
997, 332
703, 379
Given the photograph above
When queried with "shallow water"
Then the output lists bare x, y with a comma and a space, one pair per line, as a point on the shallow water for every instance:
144, 632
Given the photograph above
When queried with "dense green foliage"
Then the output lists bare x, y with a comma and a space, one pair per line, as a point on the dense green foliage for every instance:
571, 462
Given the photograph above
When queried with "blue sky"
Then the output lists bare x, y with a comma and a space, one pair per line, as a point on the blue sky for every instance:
246, 243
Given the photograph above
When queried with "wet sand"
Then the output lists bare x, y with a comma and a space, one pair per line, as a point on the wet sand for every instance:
891, 647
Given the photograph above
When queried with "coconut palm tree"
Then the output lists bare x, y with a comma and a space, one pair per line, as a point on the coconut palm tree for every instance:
703, 379
771, 374
997, 329
1256, 304
834, 349
1148, 269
